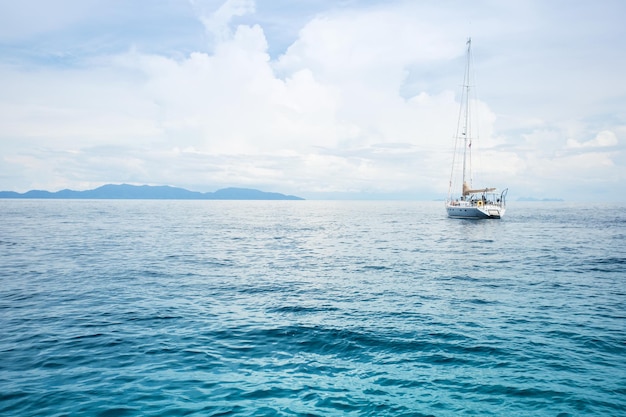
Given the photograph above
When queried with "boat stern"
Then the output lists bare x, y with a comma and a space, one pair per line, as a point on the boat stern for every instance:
474, 211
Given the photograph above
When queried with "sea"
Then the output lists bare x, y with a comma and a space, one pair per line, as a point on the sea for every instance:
310, 308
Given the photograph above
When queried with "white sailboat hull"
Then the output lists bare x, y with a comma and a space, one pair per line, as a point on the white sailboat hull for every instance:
470, 211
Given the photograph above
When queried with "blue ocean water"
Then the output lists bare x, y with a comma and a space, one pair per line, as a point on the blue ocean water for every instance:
310, 308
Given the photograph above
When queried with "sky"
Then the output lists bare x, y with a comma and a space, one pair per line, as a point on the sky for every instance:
318, 98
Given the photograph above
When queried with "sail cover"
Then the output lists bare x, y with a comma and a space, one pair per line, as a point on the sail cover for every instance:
467, 190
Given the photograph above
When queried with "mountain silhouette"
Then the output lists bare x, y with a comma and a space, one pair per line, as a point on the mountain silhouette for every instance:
149, 192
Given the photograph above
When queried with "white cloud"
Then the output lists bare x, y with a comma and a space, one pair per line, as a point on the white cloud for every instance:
217, 22
604, 139
68, 108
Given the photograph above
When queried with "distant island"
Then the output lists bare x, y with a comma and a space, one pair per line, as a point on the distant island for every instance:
539, 199
149, 192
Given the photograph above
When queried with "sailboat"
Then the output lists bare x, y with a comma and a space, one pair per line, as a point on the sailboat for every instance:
469, 202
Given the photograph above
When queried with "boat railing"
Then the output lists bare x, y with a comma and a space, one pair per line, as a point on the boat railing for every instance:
486, 200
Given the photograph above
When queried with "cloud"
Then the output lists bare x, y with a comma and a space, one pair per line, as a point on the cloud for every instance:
217, 22
604, 139
73, 108
231, 102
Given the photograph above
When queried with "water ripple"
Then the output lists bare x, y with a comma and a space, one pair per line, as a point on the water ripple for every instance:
148, 308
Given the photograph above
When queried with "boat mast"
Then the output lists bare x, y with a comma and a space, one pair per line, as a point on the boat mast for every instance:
466, 87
